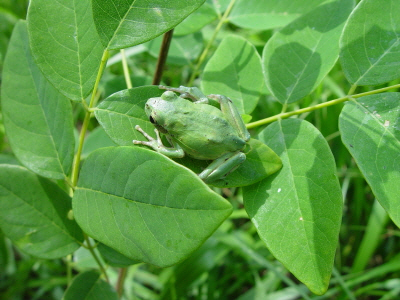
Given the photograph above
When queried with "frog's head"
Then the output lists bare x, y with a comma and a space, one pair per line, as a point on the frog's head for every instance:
159, 108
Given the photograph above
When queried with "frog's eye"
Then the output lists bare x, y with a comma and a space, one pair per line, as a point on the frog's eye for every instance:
152, 121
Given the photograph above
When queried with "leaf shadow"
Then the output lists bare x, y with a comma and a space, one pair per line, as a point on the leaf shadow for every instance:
240, 61
365, 61
379, 175
300, 76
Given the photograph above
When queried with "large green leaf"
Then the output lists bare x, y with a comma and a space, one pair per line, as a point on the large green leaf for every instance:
34, 214
235, 71
123, 24
89, 286
370, 129
122, 111
297, 212
145, 206
298, 57
267, 14
65, 44
37, 118
370, 44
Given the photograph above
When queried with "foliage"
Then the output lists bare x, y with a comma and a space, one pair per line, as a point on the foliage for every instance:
78, 197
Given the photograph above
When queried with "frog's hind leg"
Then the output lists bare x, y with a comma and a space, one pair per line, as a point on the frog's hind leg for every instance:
232, 115
192, 93
222, 166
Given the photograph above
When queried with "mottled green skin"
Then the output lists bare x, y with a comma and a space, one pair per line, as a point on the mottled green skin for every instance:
200, 129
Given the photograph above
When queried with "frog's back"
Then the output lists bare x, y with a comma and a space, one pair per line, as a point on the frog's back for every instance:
204, 133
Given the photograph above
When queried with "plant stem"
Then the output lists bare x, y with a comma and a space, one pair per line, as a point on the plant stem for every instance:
120, 282
162, 57
126, 69
96, 258
77, 158
211, 41
318, 106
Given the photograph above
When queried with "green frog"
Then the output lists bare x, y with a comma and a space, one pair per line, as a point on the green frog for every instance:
204, 127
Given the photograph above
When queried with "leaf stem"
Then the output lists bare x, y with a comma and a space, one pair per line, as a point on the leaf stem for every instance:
210, 42
126, 69
77, 158
162, 57
318, 106
96, 258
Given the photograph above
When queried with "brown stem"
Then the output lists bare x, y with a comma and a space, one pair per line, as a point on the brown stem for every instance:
120, 282
162, 57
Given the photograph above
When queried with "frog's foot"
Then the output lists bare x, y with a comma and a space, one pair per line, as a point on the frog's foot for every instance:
175, 151
192, 93
153, 143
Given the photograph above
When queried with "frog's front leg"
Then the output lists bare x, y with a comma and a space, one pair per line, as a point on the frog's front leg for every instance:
222, 166
176, 151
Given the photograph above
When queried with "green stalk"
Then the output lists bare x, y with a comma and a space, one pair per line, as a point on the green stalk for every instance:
318, 106
126, 70
207, 48
77, 158
96, 258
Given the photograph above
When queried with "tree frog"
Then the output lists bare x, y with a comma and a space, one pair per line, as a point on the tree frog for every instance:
204, 127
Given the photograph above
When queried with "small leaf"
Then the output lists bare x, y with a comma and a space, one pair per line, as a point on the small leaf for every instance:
145, 206
65, 44
370, 43
37, 118
34, 214
114, 258
268, 14
370, 130
97, 139
122, 111
197, 20
297, 212
182, 51
89, 286
125, 24
299, 56
235, 71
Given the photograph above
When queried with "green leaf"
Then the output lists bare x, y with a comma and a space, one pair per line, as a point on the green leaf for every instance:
370, 44
114, 258
297, 212
267, 14
125, 24
182, 51
33, 214
89, 286
97, 139
370, 130
122, 111
145, 206
235, 71
219, 5
299, 56
37, 118
65, 44
197, 20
